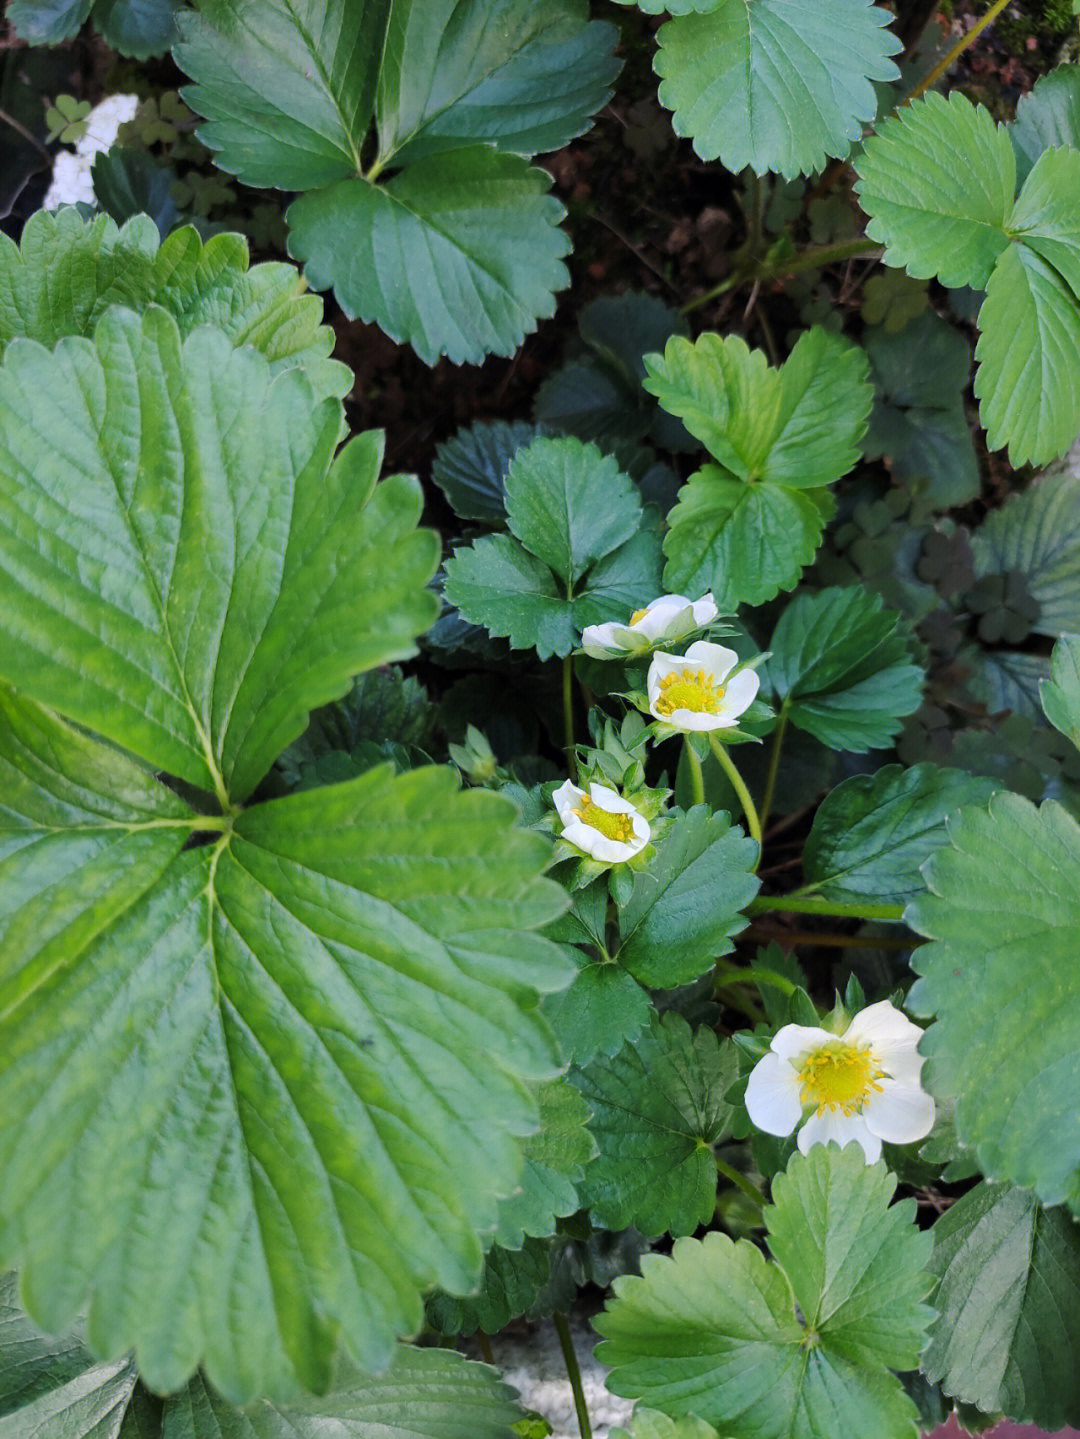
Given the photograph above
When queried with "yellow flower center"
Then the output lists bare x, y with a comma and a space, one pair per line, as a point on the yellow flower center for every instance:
612, 826
689, 690
639, 615
840, 1076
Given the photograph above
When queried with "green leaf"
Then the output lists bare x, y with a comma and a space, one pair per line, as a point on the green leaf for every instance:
921, 375
713, 1329
765, 84
132, 182
658, 1109
1048, 115
650, 1424
458, 254
872, 833
68, 272
497, 583
525, 78
139, 28
843, 670
244, 527
937, 181
1045, 214
1060, 694
686, 907
471, 468
425, 1394
603, 1009
1008, 1301
744, 542
1003, 911
510, 1286
1038, 533
589, 400
47, 22
555, 1160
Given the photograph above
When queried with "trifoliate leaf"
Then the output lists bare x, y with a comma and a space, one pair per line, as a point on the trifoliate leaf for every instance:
471, 468
918, 421
603, 1009
140, 28
686, 907
456, 255
1048, 115
872, 833
842, 670
1060, 694
47, 22
938, 180
1038, 534
713, 1330
510, 1285
657, 1110
425, 1392
1002, 906
67, 272
1008, 1301
183, 488
458, 252
764, 83
555, 1160
577, 555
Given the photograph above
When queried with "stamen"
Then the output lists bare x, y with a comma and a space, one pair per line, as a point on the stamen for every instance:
689, 690
840, 1076
619, 827
639, 615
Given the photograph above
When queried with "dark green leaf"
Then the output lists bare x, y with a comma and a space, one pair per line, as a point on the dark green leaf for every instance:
510, 1285
1048, 115
470, 469
555, 1160
131, 182
140, 28
603, 1009
47, 22
1038, 533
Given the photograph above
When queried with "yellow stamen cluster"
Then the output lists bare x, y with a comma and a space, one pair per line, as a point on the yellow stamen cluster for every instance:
840, 1076
619, 827
639, 615
689, 690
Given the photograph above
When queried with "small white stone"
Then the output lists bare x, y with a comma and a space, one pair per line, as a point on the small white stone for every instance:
71, 181
533, 1364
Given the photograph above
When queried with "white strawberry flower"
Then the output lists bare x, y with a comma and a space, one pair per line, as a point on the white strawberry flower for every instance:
601, 823
698, 691
862, 1086
667, 618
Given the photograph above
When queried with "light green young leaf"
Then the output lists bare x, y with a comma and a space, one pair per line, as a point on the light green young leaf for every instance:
457, 254
555, 1160
938, 180
1060, 694
1038, 533
658, 1109
842, 670
713, 1330
1002, 904
1049, 114
193, 506
67, 272
686, 907
763, 82
872, 833
1008, 1301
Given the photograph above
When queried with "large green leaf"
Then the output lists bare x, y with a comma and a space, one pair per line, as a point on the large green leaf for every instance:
458, 252
938, 181
872, 833
714, 1329
686, 907
1008, 1301
577, 554
1049, 114
1003, 909
181, 504
764, 83
657, 1109
67, 272
1038, 533
842, 670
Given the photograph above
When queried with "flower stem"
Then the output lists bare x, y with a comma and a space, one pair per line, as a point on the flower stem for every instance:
568, 715
740, 1181
774, 764
812, 258
793, 904
753, 824
947, 61
734, 974
573, 1373
697, 779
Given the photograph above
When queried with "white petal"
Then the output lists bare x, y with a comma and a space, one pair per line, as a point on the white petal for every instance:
893, 1039
599, 640
697, 720
566, 799
740, 693
609, 800
660, 616
900, 1114
642, 830
716, 660
795, 1041
830, 1125
772, 1095
705, 609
